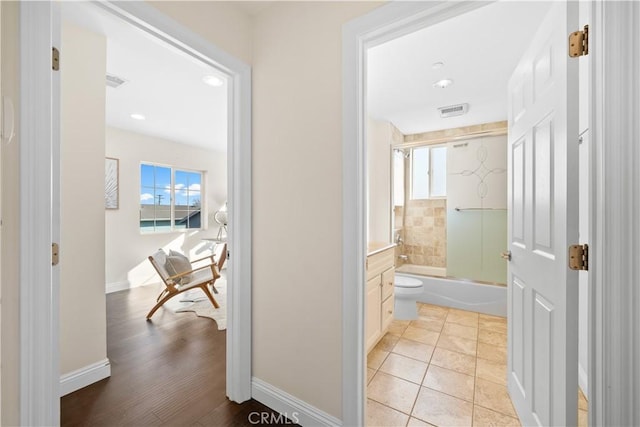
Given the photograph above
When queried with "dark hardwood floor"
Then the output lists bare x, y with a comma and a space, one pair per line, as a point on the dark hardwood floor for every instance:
169, 371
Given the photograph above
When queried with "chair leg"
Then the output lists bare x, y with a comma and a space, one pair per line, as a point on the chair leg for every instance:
161, 295
211, 298
213, 288
160, 303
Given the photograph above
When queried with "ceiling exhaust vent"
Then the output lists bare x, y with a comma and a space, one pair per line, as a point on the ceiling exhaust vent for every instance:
115, 81
453, 110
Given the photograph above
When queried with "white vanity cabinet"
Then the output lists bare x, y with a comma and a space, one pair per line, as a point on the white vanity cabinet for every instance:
379, 297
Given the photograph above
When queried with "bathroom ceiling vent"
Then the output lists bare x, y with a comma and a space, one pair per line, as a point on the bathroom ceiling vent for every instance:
453, 110
115, 81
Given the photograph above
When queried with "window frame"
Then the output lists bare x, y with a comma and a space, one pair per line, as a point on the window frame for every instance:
172, 195
429, 148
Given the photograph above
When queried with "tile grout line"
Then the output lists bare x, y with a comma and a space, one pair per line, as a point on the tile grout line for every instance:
428, 362
475, 373
425, 374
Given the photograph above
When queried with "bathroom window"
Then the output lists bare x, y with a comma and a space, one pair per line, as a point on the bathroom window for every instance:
170, 199
428, 172
438, 174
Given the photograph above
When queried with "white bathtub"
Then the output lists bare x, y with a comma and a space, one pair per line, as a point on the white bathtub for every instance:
462, 294
424, 270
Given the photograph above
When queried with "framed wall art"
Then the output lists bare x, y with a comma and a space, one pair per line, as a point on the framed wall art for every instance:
111, 183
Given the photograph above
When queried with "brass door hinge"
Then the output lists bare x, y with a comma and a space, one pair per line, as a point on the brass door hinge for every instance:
55, 254
55, 59
579, 257
579, 42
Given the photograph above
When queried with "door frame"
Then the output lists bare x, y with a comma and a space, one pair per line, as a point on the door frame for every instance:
39, 310
610, 385
386, 23
614, 336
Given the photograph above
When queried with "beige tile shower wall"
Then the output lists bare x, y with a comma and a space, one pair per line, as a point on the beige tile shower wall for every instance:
397, 224
425, 232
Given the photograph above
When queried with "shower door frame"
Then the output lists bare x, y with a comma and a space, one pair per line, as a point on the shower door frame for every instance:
469, 133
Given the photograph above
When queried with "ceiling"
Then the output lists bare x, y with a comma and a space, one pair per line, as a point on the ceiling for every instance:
479, 50
163, 84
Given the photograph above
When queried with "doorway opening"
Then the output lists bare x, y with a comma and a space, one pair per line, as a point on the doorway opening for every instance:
445, 207
42, 21
391, 233
162, 116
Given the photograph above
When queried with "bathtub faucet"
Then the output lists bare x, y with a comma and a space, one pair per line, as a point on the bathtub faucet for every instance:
403, 257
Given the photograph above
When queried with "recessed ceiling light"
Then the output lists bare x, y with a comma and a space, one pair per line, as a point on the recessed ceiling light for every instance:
437, 65
212, 81
137, 116
441, 84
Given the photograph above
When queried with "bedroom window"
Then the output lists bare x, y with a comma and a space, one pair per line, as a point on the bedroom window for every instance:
170, 199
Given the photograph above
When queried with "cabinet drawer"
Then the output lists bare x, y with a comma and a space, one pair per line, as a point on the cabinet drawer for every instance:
388, 278
387, 312
377, 263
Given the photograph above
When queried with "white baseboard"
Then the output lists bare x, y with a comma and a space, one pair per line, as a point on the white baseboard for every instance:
85, 376
296, 410
583, 380
117, 286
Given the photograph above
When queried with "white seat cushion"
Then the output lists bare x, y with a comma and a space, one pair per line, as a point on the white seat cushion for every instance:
198, 277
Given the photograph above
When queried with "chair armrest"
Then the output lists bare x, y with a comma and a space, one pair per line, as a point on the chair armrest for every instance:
202, 259
185, 273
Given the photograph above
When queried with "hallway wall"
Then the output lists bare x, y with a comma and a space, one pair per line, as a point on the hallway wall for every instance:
297, 217
83, 328
222, 23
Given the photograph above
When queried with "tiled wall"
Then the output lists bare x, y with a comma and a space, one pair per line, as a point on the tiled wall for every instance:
425, 231
397, 221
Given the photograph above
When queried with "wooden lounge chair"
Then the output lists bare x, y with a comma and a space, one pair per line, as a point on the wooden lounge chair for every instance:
197, 277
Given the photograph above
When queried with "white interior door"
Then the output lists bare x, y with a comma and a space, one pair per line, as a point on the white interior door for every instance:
543, 222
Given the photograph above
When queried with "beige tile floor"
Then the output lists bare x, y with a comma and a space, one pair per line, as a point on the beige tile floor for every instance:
447, 368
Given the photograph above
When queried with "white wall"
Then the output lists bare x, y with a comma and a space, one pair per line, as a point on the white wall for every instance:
10, 213
297, 198
83, 337
379, 137
126, 248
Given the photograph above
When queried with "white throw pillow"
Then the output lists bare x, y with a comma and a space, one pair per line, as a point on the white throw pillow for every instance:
176, 264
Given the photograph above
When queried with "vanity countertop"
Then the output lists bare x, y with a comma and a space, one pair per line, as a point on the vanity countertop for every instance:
377, 247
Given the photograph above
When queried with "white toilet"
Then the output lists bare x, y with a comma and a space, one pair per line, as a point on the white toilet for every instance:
406, 292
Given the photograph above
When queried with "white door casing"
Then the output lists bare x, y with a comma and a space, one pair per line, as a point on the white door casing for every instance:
39, 310
543, 222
